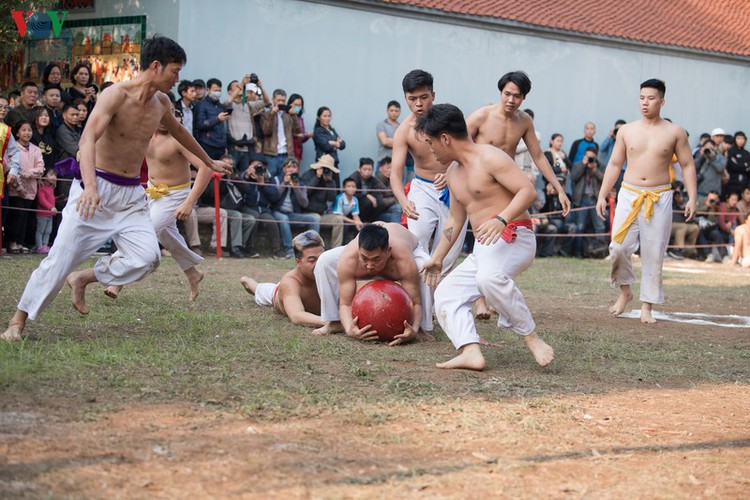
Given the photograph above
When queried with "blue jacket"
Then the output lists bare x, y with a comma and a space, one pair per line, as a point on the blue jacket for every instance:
259, 196
207, 127
275, 197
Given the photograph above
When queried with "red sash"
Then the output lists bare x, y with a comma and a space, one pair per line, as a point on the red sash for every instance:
509, 233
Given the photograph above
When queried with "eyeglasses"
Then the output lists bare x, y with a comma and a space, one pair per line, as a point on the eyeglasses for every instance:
4, 108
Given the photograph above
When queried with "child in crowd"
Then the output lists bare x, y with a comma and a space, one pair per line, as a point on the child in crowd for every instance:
22, 191
45, 203
347, 206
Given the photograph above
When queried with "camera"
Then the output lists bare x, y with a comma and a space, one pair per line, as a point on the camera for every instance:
294, 177
592, 161
284, 107
260, 169
254, 78
707, 151
712, 202
327, 172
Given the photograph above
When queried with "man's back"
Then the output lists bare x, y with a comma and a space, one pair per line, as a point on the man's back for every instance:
294, 284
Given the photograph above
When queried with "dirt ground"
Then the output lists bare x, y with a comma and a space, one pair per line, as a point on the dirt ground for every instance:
623, 439
639, 443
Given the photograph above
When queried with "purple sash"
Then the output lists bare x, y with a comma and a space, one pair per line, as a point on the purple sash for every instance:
69, 166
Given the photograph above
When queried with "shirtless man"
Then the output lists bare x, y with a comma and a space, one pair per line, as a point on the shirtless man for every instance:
112, 204
426, 207
387, 250
647, 145
503, 125
487, 186
296, 295
172, 199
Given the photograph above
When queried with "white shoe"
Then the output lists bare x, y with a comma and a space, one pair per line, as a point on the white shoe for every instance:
710, 258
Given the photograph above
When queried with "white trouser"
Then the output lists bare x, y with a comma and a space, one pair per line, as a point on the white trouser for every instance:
488, 272
265, 293
161, 211
653, 238
125, 219
327, 282
433, 214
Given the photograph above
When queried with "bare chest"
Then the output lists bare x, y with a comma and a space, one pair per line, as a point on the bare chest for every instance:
501, 133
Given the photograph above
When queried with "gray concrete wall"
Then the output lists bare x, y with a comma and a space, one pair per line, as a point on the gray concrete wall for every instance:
353, 60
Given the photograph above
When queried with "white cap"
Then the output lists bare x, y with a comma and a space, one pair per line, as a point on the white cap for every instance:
718, 131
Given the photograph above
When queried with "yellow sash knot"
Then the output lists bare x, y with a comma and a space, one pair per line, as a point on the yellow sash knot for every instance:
159, 190
650, 198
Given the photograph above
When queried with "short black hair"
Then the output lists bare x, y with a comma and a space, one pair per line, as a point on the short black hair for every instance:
162, 49
739, 133
17, 127
620, 122
348, 180
229, 85
416, 79
278, 92
385, 160
592, 149
373, 237
655, 83
184, 86
27, 84
529, 112
51, 87
394, 104
213, 81
366, 161
520, 78
67, 106
443, 118
198, 83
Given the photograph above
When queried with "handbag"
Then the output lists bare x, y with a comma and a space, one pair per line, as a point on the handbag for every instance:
233, 199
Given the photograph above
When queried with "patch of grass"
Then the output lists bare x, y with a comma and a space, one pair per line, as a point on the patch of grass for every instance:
224, 351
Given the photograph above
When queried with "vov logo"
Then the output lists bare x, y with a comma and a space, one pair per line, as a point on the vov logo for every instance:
39, 23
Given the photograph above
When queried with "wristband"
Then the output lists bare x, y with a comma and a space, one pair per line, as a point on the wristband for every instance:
499, 217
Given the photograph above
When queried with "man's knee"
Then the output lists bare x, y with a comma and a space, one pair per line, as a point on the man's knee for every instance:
487, 281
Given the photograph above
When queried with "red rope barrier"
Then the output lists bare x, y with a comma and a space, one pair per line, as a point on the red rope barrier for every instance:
217, 178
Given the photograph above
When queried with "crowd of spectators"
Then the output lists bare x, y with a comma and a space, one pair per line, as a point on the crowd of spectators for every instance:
270, 195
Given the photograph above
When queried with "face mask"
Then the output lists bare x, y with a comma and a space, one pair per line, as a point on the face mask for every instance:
216, 96
297, 109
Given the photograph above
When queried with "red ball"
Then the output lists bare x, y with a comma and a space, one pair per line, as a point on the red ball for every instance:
385, 305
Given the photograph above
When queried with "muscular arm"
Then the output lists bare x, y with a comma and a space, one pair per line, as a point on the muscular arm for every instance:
612, 172
347, 288
544, 167
294, 308
108, 104
684, 156
199, 186
385, 140
180, 133
400, 149
474, 122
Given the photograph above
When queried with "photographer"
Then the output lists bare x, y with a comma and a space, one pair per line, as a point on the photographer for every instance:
256, 204
738, 165
321, 201
242, 106
586, 177
710, 234
210, 115
709, 164
288, 203
277, 147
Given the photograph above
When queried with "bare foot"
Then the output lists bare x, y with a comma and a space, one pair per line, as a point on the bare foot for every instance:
13, 333
622, 301
646, 316
194, 277
77, 284
470, 359
113, 291
541, 350
480, 309
424, 336
249, 284
329, 328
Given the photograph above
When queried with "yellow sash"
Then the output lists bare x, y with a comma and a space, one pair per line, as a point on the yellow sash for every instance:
650, 197
159, 190
4, 139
